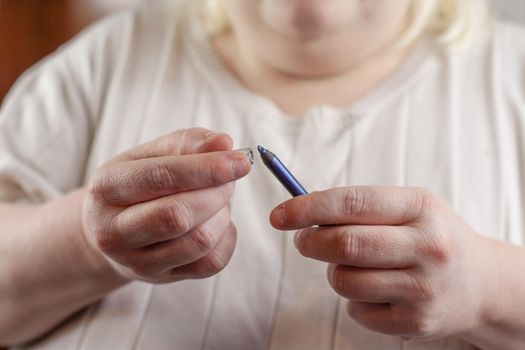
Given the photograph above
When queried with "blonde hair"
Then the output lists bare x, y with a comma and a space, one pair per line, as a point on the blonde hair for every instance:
454, 23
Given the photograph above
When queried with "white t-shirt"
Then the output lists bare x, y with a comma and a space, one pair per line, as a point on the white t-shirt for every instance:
452, 123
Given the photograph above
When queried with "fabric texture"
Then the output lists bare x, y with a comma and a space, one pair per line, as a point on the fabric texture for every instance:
450, 123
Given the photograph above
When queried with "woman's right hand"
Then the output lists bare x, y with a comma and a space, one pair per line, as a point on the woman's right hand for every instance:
161, 212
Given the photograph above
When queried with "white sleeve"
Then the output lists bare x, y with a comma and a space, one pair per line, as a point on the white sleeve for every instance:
47, 121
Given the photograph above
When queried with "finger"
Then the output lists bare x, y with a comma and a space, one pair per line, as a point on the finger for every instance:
211, 264
377, 285
158, 258
181, 142
363, 246
142, 180
168, 217
365, 205
386, 318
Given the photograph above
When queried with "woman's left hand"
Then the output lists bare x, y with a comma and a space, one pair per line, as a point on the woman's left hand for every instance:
409, 265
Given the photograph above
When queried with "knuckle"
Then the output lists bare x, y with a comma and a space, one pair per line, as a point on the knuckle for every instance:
350, 249
198, 137
203, 239
164, 145
105, 240
354, 202
195, 130
160, 177
422, 291
439, 249
99, 228
176, 218
216, 260
420, 327
99, 187
181, 134
215, 263
412, 325
186, 135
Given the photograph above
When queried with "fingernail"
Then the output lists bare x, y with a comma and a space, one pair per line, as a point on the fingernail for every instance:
297, 238
279, 215
240, 165
248, 152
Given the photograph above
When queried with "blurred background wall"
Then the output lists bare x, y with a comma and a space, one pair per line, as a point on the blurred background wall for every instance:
31, 29
511, 9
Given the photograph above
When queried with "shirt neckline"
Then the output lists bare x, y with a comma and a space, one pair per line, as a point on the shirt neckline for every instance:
213, 69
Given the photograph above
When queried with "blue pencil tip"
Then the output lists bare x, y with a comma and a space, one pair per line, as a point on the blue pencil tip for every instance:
261, 149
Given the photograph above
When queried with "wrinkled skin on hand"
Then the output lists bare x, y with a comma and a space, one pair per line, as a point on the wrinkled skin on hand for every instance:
407, 263
161, 212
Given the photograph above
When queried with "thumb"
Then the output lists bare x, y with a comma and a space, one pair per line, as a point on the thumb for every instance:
180, 142
215, 142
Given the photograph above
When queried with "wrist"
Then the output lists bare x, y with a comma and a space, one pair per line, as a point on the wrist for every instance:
488, 315
95, 264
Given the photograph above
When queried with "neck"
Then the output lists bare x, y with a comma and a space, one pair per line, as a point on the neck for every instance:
294, 91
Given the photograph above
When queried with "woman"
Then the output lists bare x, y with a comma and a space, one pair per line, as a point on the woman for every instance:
111, 240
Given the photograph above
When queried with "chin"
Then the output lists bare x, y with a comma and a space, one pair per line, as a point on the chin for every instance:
308, 18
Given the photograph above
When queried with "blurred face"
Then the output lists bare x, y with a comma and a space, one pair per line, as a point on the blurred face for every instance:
316, 37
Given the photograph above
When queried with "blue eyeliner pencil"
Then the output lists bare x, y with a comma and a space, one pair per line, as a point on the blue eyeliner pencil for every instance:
282, 174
